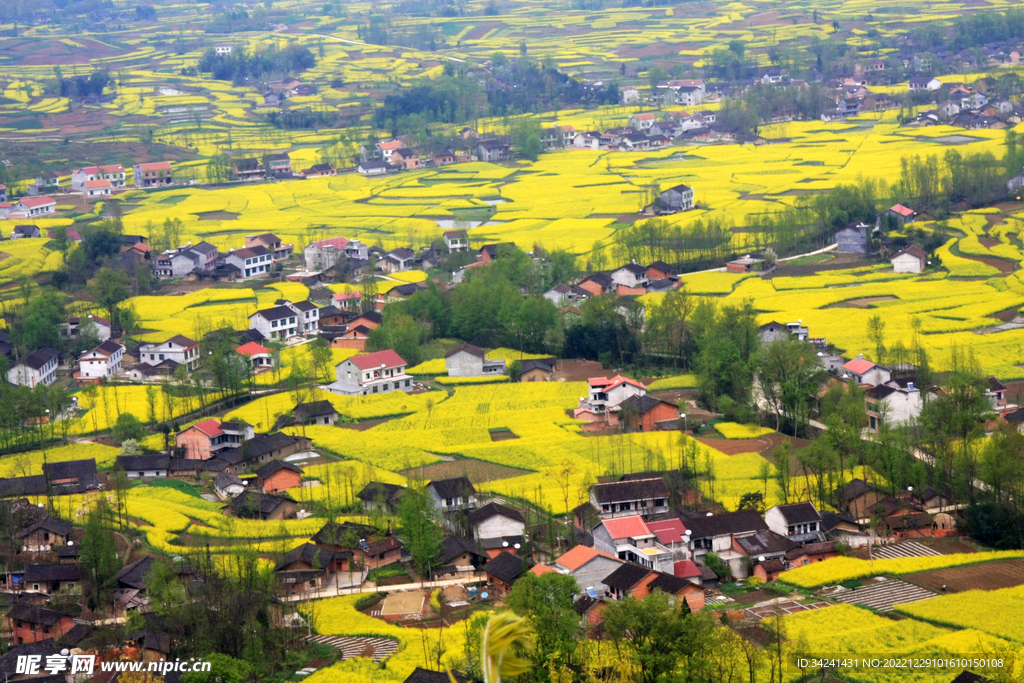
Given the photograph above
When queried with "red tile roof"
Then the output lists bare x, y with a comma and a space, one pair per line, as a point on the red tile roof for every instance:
92, 184
156, 166
37, 201
579, 556
613, 382
336, 242
251, 349
626, 527
209, 427
858, 366
668, 531
539, 569
386, 358
345, 296
685, 569
902, 210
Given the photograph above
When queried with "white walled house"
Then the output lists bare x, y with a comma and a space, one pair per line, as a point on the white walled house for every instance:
309, 316
253, 262
115, 175
630, 497
279, 322
178, 348
97, 188
102, 361
896, 403
800, 522
35, 206
371, 373
631, 275
605, 394
909, 260
453, 494
588, 566
630, 539
466, 360
38, 367
496, 521
863, 371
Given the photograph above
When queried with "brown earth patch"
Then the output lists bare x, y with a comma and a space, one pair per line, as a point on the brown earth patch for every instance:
476, 471
987, 576
217, 216
482, 30
1002, 265
762, 445
1007, 314
988, 242
864, 302
578, 370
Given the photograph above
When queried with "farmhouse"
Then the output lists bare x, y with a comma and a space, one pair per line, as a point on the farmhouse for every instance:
466, 360
853, 239
456, 240
277, 476
272, 243
38, 367
448, 495
800, 522
206, 439
647, 414
495, 521
101, 362
279, 322
156, 174
371, 373
44, 535
35, 206
377, 494
31, 624
909, 260
743, 265
178, 348
630, 498
901, 214
253, 505
144, 466
675, 199
863, 371
252, 262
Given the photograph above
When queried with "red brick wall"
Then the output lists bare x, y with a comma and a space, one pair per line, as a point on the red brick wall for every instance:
662, 411
342, 343
195, 443
280, 481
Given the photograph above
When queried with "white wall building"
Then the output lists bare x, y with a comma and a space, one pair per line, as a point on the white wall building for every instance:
178, 348
102, 361
38, 367
371, 373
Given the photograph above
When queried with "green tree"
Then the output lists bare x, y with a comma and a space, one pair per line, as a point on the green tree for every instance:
43, 315
110, 288
526, 138
223, 669
876, 333
398, 332
323, 359
546, 602
418, 526
128, 427
98, 553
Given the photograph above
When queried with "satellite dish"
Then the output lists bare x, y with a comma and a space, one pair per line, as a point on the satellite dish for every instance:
516, 546
71, 542
504, 544
710, 514
483, 596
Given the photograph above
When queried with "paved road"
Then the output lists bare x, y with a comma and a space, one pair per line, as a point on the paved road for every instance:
368, 587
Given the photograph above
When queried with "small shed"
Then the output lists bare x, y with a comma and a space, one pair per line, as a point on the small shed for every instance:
853, 239
744, 265
909, 260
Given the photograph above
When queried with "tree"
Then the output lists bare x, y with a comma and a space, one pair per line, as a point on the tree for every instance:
876, 333
418, 526
400, 333
323, 359
98, 554
110, 287
546, 602
40, 326
223, 669
128, 427
526, 138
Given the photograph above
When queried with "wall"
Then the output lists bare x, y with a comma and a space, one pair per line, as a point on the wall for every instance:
498, 526
464, 364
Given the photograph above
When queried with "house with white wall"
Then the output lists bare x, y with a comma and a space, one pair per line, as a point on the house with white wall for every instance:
178, 348
103, 361
38, 367
371, 373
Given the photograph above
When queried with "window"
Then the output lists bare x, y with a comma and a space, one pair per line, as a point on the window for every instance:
448, 502
375, 389
46, 536
35, 586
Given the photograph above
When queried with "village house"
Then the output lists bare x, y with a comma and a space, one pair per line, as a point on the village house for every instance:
315, 413
718, 533
502, 572
605, 394
144, 466
631, 540
630, 497
397, 260
71, 476
318, 171
450, 495
491, 150
863, 371
263, 506
628, 580
326, 254
272, 243
588, 566
305, 567
259, 357
45, 535
744, 265
648, 414
631, 276
25, 232
38, 367
921, 83
373, 167
859, 499
279, 322
466, 360
155, 174
178, 348
456, 240
810, 553
495, 521
277, 476
373, 553
103, 361
228, 485
96, 188
35, 206
248, 169
371, 373
800, 522
341, 539
350, 302
537, 369
377, 494
459, 556
897, 402
31, 623
52, 578
72, 328
45, 182
279, 165
252, 262
309, 316
853, 239
909, 260
674, 200
901, 215
205, 439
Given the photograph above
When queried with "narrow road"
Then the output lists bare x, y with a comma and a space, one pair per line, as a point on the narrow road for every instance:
368, 587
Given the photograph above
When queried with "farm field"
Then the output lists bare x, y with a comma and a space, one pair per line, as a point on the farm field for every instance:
988, 576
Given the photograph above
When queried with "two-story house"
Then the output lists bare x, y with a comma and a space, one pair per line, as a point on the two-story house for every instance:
607, 393
449, 495
325, 254
630, 498
631, 275
279, 322
206, 439
154, 174
309, 316
589, 566
47, 534
495, 521
38, 367
863, 371
114, 175
272, 243
45, 182
631, 540
717, 533
456, 240
799, 522
397, 260
174, 264
102, 361
252, 262
31, 623
178, 348
279, 165
94, 323
371, 373
466, 360
52, 578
